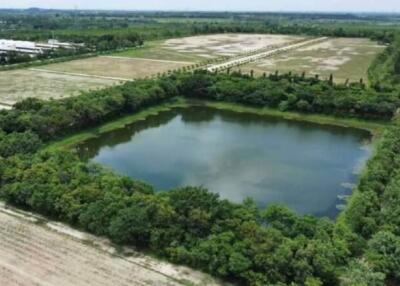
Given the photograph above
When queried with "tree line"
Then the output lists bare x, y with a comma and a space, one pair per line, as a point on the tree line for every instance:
384, 72
291, 92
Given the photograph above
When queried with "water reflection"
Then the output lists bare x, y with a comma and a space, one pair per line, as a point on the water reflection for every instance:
238, 155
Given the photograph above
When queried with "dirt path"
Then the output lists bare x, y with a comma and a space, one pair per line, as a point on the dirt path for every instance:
146, 59
36, 252
81, 74
263, 54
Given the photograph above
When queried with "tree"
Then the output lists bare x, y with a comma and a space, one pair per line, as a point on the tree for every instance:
384, 254
360, 273
18, 143
131, 226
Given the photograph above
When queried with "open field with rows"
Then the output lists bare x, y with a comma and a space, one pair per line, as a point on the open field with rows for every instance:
345, 58
33, 252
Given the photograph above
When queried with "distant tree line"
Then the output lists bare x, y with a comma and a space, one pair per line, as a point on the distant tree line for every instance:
109, 31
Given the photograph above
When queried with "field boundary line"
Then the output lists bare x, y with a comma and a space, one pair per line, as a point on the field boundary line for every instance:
81, 74
146, 59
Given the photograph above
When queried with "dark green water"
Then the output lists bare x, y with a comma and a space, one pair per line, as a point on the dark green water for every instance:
308, 167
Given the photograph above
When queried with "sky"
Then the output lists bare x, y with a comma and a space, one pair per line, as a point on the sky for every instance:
214, 5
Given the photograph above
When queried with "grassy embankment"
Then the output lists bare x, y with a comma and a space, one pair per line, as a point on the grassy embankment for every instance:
374, 127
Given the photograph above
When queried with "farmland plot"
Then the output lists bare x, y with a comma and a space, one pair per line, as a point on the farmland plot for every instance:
33, 253
16, 85
345, 58
205, 47
117, 68
70, 78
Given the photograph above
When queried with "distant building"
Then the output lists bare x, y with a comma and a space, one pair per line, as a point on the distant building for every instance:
33, 48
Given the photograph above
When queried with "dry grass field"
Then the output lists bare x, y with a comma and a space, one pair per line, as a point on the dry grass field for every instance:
119, 68
70, 78
16, 85
345, 58
199, 48
33, 252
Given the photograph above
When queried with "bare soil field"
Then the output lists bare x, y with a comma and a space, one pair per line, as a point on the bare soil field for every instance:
199, 48
36, 252
345, 58
116, 67
16, 85
70, 78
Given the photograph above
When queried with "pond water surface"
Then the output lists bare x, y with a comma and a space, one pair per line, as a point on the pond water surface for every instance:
309, 167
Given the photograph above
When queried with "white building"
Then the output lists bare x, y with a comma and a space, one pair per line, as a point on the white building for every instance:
33, 48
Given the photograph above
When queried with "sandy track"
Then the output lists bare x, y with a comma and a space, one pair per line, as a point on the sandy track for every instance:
33, 253
253, 57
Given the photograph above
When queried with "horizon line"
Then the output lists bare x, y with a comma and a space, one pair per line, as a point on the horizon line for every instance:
211, 11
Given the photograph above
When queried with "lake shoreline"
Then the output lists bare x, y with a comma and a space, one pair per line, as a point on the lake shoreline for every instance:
237, 155
69, 141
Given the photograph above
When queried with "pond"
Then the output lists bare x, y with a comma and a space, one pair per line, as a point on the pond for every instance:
309, 167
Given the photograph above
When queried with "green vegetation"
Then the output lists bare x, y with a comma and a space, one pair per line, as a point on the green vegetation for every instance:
373, 126
372, 217
189, 225
290, 92
384, 73
71, 140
